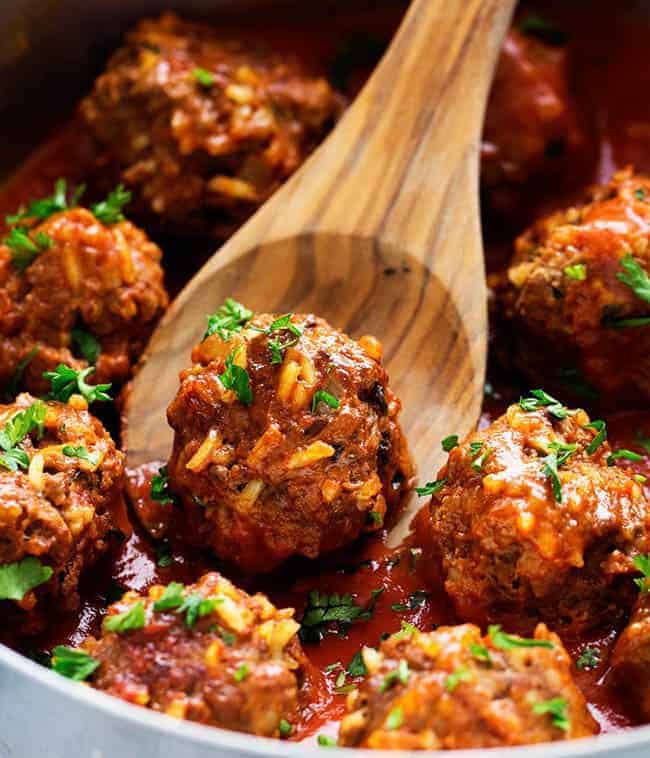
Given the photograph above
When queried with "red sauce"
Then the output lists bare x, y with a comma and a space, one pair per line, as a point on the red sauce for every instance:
611, 76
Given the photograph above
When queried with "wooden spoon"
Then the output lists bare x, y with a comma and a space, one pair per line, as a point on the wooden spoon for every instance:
379, 233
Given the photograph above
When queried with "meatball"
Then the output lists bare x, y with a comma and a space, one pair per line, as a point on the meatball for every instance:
201, 127
286, 441
206, 652
452, 688
579, 289
531, 521
631, 659
60, 495
91, 296
531, 125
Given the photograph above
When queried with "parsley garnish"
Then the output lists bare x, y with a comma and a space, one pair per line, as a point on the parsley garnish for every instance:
480, 652
479, 454
400, 674
17, 579
241, 673
236, 378
87, 344
431, 488
14, 459
623, 454
642, 563
339, 611
449, 443
109, 211
164, 555
277, 346
635, 278
559, 455
557, 709
66, 382
171, 598
285, 728
589, 659
395, 719
416, 600
639, 193
320, 396
357, 667
540, 399
325, 741
505, 641
130, 620
25, 248
160, 490
578, 272
48, 206
14, 432
407, 630
601, 436
456, 677
203, 77
73, 664
228, 319
195, 607
80, 452
630, 323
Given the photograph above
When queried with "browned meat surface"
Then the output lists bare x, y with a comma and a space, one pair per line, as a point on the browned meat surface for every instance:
531, 126
517, 542
64, 496
315, 457
631, 660
201, 127
452, 689
233, 662
103, 280
578, 288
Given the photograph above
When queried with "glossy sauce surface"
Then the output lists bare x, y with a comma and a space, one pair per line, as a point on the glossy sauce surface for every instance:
611, 76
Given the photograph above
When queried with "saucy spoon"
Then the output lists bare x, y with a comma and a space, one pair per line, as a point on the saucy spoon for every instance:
379, 233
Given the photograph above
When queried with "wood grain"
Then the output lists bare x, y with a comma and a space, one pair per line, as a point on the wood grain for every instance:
379, 233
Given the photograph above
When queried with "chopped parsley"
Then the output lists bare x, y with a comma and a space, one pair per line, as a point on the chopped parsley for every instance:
325, 740
109, 211
449, 443
25, 248
278, 346
479, 454
635, 278
601, 435
195, 607
559, 455
80, 452
236, 378
341, 688
375, 518
407, 630
87, 344
130, 620
66, 382
228, 319
320, 396
577, 271
338, 612
285, 728
557, 709
203, 76
639, 193
505, 641
48, 206
623, 454
431, 488
241, 673
416, 600
19, 578
163, 555
14, 432
400, 674
14, 459
539, 399
160, 490
73, 664
480, 652
456, 677
630, 323
357, 667
589, 659
642, 564
395, 719
171, 598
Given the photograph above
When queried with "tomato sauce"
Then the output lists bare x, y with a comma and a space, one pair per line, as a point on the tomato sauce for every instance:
610, 75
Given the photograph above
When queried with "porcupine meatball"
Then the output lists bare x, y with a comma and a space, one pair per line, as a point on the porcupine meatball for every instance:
202, 127
452, 689
88, 293
303, 464
206, 652
531, 125
531, 523
630, 659
578, 292
60, 494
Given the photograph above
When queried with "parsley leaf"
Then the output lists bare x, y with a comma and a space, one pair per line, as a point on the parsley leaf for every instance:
480, 652
539, 399
109, 211
635, 278
130, 620
236, 378
623, 454
601, 436
21, 424
505, 641
395, 719
241, 673
642, 564
14, 459
431, 488
196, 606
559, 454
325, 740
80, 452
589, 659
557, 709
203, 77
578, 272
285, 728
278, 346
400, 674
66, 382
160, 489
357, 667
456, 677
73, 664
320, 396
17, 579
25, 248
479, 454
87, 344
327, 613
228, 319
449, 443
48, 206
171, 598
